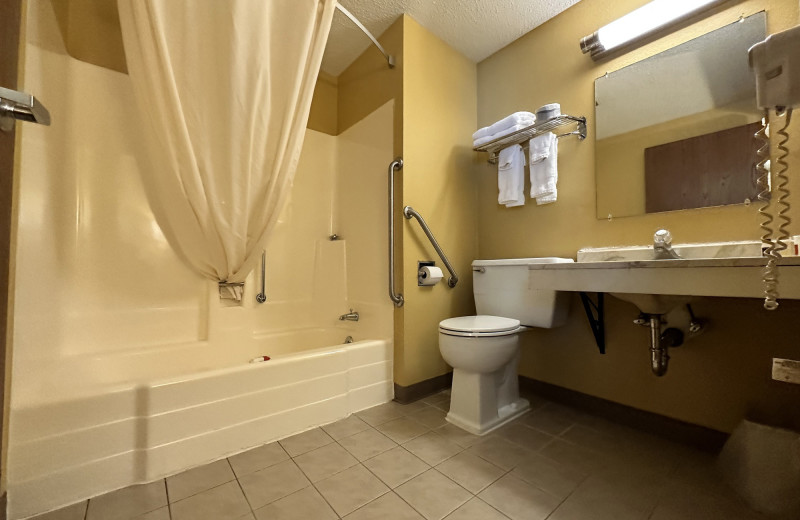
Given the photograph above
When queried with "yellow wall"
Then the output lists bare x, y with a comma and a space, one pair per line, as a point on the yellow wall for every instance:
717, 378
439, 116
324, 105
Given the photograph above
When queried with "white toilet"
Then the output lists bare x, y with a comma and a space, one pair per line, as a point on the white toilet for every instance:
484, 349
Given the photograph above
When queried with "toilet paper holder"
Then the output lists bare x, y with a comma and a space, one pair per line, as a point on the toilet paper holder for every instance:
422, 275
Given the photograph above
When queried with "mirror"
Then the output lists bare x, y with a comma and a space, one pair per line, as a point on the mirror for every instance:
675, 131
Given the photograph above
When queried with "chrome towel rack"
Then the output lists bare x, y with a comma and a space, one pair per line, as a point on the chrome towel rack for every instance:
410, 212
540, 127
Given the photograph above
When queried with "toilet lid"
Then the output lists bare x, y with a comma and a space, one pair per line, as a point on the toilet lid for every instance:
480, 324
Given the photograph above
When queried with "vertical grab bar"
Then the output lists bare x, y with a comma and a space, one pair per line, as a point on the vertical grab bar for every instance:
409, 212
262, 296
396, 165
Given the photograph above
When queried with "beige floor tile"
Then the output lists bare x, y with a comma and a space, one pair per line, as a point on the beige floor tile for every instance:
346, 427
577, 457
437, 397
306, 504
519, 500
476, 509
548, 475
433, 494
638, 489
198, 479
367, 444
272, 483
388, 507
697, 505
470, 472
128, 502
525, 436
257, 458
248, 516
455, 434
411, 408
573, 509
550, 419
324, 462
432, 448
500, 452
161, 513
402, 430
73, 512
225, 502
351, 489
382, 413
431, 417
396, 466
305, 442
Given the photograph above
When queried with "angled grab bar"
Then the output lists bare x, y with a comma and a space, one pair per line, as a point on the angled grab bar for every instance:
409, 212
396, 165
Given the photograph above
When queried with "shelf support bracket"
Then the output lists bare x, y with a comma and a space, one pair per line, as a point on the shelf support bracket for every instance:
595, 312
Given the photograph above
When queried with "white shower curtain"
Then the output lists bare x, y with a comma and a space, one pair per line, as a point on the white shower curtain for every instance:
224, 88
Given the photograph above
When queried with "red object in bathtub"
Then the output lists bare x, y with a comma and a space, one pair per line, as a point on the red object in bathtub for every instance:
259, 359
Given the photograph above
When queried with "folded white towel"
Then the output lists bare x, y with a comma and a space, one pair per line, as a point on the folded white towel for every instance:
515, 119
511, 176
498, 135
544, 168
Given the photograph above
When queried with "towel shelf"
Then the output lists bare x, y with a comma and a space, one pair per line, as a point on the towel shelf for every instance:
561, 122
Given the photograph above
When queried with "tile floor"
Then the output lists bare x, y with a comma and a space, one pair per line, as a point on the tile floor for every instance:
396, 462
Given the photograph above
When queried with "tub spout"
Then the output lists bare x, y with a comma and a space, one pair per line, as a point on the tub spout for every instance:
350, 316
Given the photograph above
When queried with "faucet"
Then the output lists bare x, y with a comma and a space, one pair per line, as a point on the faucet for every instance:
350, 316
662, 245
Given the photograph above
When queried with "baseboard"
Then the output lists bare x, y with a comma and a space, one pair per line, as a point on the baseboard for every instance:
415, 392
700, 437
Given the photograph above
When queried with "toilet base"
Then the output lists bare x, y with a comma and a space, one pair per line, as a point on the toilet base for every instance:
505, 415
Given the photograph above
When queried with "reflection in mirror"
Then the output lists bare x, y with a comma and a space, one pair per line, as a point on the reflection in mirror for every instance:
675, 131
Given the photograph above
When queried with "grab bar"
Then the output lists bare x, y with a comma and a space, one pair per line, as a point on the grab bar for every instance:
262, 296
409, 212
396, 165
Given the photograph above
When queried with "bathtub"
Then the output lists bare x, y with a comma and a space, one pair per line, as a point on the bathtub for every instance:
112, 433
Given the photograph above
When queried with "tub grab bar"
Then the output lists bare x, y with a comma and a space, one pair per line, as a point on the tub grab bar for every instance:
396, 165
409, 212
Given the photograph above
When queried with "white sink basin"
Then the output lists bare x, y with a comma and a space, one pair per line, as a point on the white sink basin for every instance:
742, 249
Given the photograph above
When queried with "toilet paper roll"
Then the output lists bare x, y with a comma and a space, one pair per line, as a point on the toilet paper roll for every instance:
430, 275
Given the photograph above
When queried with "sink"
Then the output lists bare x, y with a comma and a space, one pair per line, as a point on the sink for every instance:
740, 249
653, 303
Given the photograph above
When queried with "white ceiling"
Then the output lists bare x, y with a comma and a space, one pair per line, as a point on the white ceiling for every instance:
476, 28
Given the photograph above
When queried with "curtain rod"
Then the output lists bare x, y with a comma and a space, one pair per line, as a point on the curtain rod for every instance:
389, 57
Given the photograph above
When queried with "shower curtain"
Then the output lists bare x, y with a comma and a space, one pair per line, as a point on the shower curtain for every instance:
224, 89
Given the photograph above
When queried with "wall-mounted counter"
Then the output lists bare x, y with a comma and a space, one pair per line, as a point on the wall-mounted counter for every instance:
728, 277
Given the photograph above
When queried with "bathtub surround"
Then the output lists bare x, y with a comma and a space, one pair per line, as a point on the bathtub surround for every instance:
222, 158
123, 314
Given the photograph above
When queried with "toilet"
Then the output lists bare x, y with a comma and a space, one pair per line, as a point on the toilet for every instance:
484, 349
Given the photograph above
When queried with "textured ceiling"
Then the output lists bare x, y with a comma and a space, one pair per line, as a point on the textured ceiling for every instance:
476, 28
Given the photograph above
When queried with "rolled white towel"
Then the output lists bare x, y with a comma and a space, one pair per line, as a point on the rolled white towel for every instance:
544, 168
511, 176
515, 119
498, 135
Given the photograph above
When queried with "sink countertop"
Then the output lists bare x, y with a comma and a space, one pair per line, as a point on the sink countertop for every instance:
727, 277
673, 263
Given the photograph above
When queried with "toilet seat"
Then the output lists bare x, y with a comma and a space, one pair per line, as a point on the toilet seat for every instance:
480, 326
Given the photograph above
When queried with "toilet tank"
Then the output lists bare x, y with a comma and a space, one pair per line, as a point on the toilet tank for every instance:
501, 289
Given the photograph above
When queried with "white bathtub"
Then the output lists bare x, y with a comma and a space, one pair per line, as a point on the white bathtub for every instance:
96, 438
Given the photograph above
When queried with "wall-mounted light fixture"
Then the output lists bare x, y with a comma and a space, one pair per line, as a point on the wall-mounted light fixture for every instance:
645, 21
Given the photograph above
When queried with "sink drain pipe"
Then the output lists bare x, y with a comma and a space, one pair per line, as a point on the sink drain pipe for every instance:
659, 354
